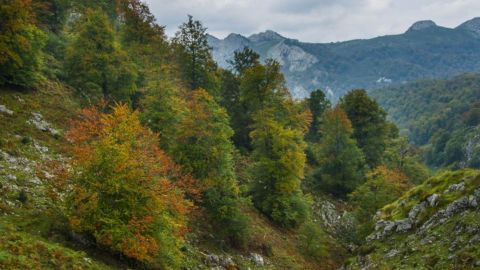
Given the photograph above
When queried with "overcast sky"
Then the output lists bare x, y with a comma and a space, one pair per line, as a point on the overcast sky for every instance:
313, 20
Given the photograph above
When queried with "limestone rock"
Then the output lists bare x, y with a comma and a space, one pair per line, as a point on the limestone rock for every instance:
4, 110
257, 259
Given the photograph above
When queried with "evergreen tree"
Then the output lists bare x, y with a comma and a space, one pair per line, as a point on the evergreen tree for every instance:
244, 59
340, 160
21, 44
193, 52
95, 65
278, 170
369, 124
317, 103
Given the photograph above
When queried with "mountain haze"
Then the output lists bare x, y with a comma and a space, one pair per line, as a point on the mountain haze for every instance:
425, 50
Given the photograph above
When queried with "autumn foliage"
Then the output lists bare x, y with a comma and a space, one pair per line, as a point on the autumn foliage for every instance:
126, 190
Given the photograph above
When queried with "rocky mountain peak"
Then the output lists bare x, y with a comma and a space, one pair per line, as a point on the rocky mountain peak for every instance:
268, 35
420, 25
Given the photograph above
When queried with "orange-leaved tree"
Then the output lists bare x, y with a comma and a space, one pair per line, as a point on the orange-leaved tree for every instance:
125, 188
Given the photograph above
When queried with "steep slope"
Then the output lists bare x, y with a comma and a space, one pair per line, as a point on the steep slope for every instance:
435, 225
424, 51
35, 234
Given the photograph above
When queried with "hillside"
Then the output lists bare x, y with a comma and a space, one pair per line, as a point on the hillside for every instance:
34, 232
433, 226
425, 50
121, 148
440, 115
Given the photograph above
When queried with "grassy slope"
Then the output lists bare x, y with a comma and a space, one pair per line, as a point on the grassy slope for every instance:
451, 245
33, 235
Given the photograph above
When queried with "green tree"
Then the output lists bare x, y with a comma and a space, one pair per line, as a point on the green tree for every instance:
244, 59
382, 187
95, 64
193, 52
163, 110
341, 162
204, 149
317, 103
404, 157
278, 170
261, 86
369, 124
21, 44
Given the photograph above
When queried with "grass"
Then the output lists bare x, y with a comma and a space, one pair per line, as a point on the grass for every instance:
437, 184
433, 249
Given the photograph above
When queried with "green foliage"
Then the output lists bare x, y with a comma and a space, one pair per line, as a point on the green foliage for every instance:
164, 109
19, 250
52, 14
21, 44
204, 149
312, 240
382, 186
440, 115
244, 59
404, 157
193, 52
340, 161
318, 104
278, 171
369, 124
95, 65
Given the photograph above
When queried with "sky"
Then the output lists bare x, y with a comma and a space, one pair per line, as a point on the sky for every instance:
313, 20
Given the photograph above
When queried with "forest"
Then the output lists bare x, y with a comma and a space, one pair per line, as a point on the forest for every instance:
158, 158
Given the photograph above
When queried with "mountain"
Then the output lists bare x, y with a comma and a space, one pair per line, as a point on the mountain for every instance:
425, 50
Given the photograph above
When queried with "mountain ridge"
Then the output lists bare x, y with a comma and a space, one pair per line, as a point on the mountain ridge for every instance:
424, 50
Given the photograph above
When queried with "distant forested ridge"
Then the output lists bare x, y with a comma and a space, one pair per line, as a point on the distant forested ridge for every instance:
441, 115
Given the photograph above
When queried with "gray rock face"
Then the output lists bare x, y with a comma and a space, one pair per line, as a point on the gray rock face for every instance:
453, 208
4, 110
386, 227
38, 121
392, 253
412, 215
455, 187
219, 261
257, 259
403, 225
433, 200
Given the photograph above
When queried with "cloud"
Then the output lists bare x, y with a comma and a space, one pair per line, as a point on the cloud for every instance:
313, 20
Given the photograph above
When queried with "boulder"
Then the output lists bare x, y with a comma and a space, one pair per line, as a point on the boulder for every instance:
4, 110
433, 200
38, 121
455, 187
403, 225
257, 259
412, 215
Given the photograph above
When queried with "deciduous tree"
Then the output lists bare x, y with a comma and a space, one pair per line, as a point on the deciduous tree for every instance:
125, 189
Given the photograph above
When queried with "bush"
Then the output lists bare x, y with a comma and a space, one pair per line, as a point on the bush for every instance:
312, 240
